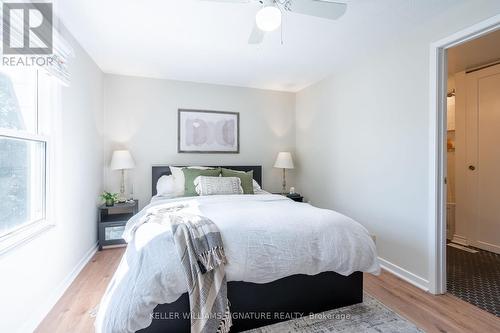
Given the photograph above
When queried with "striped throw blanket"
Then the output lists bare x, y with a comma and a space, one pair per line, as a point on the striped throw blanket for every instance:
200, 249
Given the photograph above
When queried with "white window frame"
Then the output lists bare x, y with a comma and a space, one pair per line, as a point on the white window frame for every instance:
31, 229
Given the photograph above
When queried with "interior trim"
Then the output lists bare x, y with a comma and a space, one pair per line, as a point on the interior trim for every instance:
402, 273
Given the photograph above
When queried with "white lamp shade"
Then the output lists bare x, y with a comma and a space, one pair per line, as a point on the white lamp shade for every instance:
122, 159
284, 160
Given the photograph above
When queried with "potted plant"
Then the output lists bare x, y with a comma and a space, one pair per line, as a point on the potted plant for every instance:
109, 198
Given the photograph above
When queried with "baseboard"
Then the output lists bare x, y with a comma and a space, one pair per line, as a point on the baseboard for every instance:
479, 244
487, 246
42, 311
402, 273
459, 240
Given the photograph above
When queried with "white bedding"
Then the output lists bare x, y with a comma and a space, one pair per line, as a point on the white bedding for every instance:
266, 237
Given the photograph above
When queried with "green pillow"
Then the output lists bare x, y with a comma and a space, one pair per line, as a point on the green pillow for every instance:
245, 177
191, 174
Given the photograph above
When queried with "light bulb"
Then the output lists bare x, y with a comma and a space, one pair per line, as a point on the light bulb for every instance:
268, 18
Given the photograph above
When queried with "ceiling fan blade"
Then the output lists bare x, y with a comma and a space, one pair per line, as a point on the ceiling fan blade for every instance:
319, 8
256, 36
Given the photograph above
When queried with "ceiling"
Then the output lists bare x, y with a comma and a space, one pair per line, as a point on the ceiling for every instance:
478, 52
203, 41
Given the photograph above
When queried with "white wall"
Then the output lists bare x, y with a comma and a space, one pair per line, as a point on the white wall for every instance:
141, 115
33, 275
362, 139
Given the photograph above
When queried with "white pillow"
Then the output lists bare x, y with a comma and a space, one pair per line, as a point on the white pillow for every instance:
257, 189
166, 186
217, 185
179, 180
178, 177
256, 186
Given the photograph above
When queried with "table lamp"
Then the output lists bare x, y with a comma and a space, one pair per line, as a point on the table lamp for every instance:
122, 160
284, 161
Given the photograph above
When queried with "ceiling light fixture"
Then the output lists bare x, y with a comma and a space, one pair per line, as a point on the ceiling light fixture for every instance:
268, 18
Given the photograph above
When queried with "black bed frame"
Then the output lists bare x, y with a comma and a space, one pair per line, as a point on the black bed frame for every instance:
160, 170
255, 305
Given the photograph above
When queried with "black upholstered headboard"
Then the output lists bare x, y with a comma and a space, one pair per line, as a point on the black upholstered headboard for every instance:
161, 170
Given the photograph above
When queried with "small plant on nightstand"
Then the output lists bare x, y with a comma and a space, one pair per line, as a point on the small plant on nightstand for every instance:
109, 198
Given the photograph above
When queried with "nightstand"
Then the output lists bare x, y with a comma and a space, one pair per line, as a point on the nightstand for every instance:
112, 220
295, 197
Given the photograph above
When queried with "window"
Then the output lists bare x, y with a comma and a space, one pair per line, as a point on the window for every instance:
23, 150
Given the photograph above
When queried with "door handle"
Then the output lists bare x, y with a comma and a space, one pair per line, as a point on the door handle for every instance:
472, 168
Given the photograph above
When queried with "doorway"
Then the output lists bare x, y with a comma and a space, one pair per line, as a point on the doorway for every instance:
465, 204
473, 172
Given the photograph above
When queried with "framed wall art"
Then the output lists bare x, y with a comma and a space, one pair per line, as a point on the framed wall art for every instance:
214, 132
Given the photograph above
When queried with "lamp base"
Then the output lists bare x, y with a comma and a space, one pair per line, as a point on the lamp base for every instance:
283, 187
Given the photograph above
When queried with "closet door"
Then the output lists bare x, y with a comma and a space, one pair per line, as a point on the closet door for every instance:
483, 157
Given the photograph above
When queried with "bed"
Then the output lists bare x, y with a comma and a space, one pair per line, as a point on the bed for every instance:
285, 260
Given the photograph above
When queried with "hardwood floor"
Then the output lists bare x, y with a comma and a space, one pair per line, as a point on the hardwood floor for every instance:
443, 313
71, 313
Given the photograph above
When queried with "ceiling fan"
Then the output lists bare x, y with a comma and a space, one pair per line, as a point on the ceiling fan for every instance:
268, 18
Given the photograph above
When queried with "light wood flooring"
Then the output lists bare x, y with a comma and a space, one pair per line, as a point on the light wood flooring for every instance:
443, 313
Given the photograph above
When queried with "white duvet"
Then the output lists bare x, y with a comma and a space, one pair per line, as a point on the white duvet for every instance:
266, 237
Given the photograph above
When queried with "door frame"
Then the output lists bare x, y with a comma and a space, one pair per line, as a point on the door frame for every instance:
437, 144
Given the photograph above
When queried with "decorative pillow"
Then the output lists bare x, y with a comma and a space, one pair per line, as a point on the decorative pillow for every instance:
256, 186
178, 177
191, 174
245, 177
179, 180
217, 185
166, 186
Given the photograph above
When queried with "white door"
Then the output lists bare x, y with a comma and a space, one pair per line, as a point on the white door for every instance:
483, 158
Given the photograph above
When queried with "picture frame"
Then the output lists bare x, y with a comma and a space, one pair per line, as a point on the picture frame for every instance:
208, 132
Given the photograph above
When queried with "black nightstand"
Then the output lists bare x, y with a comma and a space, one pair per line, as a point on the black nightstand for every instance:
295, 197
112, 220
